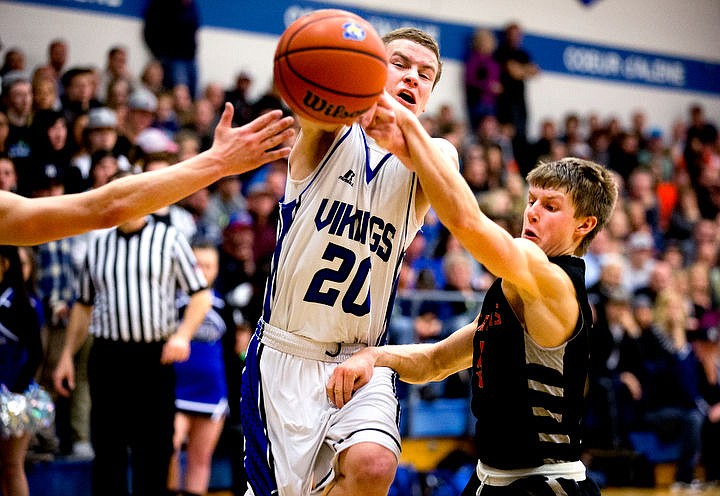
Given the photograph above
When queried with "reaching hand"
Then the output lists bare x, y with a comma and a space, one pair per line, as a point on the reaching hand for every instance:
350, 376
254, 144
383, 124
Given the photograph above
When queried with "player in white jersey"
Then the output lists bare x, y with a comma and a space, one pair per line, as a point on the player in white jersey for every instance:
349, 212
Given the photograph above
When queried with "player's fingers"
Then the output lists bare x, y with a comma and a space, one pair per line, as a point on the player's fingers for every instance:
348, 384
263, 121
272, 155
330, 391
227, 115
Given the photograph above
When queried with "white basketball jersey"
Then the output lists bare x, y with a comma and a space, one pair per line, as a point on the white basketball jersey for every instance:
342, 235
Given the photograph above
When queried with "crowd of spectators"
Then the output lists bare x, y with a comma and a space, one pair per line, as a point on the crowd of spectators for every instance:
653, 275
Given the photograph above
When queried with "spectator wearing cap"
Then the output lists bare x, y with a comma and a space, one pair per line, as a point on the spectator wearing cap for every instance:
100, 135
640, 249
142, 106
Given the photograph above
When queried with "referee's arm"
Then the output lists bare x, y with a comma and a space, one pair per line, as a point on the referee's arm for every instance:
177, 348
75, 336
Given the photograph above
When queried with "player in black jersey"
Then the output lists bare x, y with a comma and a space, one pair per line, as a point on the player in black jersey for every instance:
529, 347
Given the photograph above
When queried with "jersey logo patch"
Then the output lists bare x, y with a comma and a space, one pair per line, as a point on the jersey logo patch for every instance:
348, 177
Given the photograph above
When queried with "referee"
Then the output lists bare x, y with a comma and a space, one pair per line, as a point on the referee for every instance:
126, 301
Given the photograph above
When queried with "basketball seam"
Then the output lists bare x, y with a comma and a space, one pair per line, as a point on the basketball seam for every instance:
325, 88
332, 48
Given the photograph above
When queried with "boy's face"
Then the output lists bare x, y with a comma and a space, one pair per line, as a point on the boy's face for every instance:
207, 260
411, 73
549, 221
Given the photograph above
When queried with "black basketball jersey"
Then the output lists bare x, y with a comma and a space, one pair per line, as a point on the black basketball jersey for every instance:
527, 399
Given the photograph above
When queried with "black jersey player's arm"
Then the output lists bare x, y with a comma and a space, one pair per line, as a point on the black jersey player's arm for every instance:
414, 363
539, 291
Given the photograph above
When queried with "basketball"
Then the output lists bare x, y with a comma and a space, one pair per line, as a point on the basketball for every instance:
330, 66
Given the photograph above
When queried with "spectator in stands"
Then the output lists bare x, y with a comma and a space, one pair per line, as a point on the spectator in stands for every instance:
614, 362
45, 93
573, 138
623, 154
701, 134
17, 102
188, 144
142, 106
116, 68
57, 56
204, 119
263, 207
170, 30
706, 346
152, 77
14, 61
669, 378
517, 67
239, 97
78, 93
482, 77
474, 168
638, 127
100, 135
8, 177
224, 202
640, 247
239, 281
165, 118
215, 94
51, 151
4, 131
542, 147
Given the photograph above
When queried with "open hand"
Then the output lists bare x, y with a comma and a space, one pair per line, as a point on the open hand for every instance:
254, 144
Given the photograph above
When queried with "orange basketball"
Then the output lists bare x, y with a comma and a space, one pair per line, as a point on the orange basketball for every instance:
330, 66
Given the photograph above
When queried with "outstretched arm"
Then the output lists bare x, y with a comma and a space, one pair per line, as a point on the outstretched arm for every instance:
414, 363
25, 221
396, 128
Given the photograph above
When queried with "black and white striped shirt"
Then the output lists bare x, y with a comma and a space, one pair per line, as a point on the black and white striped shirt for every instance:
131, 279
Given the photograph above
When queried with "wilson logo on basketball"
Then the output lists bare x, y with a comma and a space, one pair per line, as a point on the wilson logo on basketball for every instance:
352, 31
317, 105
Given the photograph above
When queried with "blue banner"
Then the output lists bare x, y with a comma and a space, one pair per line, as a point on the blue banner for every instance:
552, 55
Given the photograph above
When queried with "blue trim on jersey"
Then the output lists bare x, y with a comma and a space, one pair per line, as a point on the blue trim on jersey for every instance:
287, 214
382, 339
370, 173
258, 455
